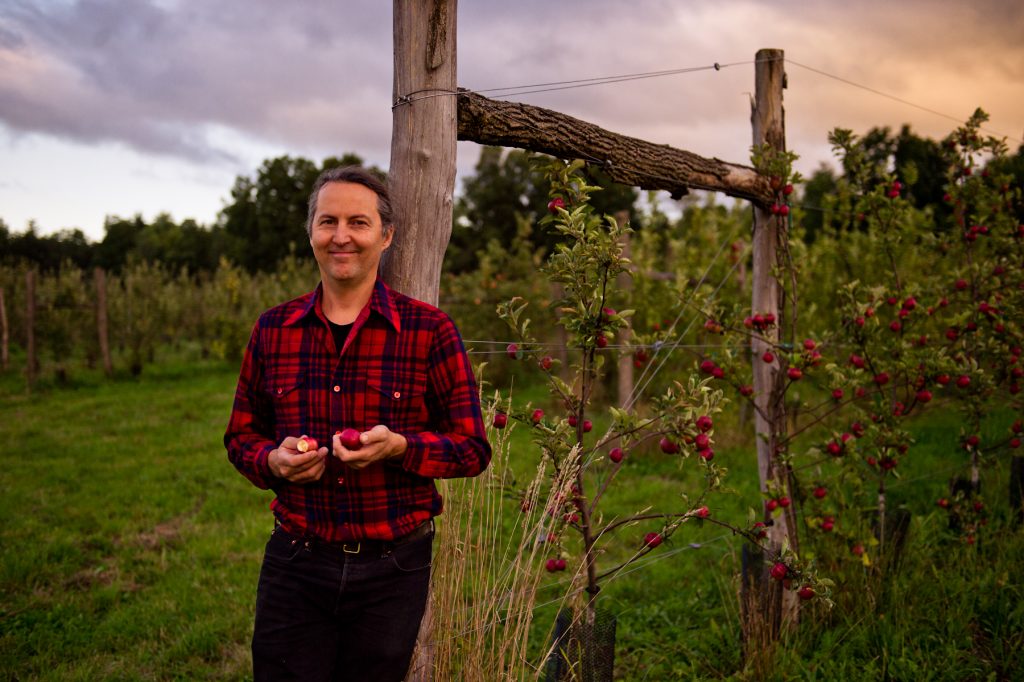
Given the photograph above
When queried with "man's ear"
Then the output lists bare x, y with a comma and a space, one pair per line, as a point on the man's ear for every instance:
389, 234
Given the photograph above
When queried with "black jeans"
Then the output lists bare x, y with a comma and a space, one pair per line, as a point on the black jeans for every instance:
322, 614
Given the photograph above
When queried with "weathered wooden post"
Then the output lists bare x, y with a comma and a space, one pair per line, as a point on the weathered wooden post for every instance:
32, 363
422, 175
625, 283
102, 331
422, 172
4, 356
766, 604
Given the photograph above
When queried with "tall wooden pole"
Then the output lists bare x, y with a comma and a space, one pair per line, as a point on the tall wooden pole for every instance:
102, 330
422, 176
32, 363
424, 127
4, 356
767, 119
625, 284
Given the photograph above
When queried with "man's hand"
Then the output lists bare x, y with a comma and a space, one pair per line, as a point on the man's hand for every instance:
378, 443
298, 467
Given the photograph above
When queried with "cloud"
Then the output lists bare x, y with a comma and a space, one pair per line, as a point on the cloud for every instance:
162, 76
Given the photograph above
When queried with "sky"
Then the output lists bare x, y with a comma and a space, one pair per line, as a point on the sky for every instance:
124, 107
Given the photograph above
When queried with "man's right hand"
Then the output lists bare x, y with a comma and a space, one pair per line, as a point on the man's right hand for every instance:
288, 463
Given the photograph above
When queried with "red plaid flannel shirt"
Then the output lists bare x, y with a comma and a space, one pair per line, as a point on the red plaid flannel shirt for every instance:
404, 366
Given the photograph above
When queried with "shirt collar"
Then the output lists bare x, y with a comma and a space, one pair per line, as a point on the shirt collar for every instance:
380, 303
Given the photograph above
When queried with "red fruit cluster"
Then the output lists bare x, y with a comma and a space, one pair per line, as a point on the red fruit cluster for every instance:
759, 321
668, 446
553, 565
713, 326
710, 367
828, 523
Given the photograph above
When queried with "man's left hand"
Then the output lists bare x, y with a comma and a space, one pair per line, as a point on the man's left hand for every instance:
378, 443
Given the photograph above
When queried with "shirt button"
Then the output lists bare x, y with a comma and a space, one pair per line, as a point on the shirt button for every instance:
397, 395
337, 389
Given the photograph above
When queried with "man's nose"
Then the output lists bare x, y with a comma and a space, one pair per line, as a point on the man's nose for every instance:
342, 234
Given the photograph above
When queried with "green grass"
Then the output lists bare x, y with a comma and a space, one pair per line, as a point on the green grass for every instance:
131, 548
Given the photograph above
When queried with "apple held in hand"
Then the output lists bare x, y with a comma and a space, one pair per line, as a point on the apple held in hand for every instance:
350, 439
306, 444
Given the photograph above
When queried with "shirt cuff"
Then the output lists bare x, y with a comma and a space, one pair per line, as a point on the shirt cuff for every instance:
416, 450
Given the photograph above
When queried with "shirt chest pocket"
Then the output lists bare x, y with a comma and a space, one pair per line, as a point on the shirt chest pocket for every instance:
285, 394
399, 404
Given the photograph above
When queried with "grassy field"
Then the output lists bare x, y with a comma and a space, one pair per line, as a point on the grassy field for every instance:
131, 548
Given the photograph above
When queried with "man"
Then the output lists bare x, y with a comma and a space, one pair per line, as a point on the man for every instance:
345, 573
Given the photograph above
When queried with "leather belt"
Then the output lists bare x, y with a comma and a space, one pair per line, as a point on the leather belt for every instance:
363, 549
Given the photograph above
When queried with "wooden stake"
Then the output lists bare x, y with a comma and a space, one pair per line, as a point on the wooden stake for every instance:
422, 173
4, 357
768, 122
100, 279
32, 363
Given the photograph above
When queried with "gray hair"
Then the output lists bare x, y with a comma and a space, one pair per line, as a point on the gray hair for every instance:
359, 176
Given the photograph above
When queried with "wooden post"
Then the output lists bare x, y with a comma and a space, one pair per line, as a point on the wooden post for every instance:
773, 604
4, 334
424, 127
100, 280
625, 284
32, 364
422, 176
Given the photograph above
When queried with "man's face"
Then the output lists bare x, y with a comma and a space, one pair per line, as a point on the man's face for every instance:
347, 235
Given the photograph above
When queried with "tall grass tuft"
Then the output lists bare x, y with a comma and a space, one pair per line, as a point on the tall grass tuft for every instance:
489, 563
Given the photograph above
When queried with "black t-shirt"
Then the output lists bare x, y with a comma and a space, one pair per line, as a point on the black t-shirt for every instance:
340, 332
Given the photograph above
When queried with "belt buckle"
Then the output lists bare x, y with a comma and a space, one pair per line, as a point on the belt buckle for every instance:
345, 548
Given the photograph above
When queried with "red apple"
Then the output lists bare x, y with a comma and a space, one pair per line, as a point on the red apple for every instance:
616, 455
512, 350
768, 357
587, 426
652, 539
537, 415
545, 362
794, 373
668, 446
780, 571
555, 204
350, 439
820, 492
306, 444
963, 381
924, 395
703, 512
500, 420
806, 592
704, 423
